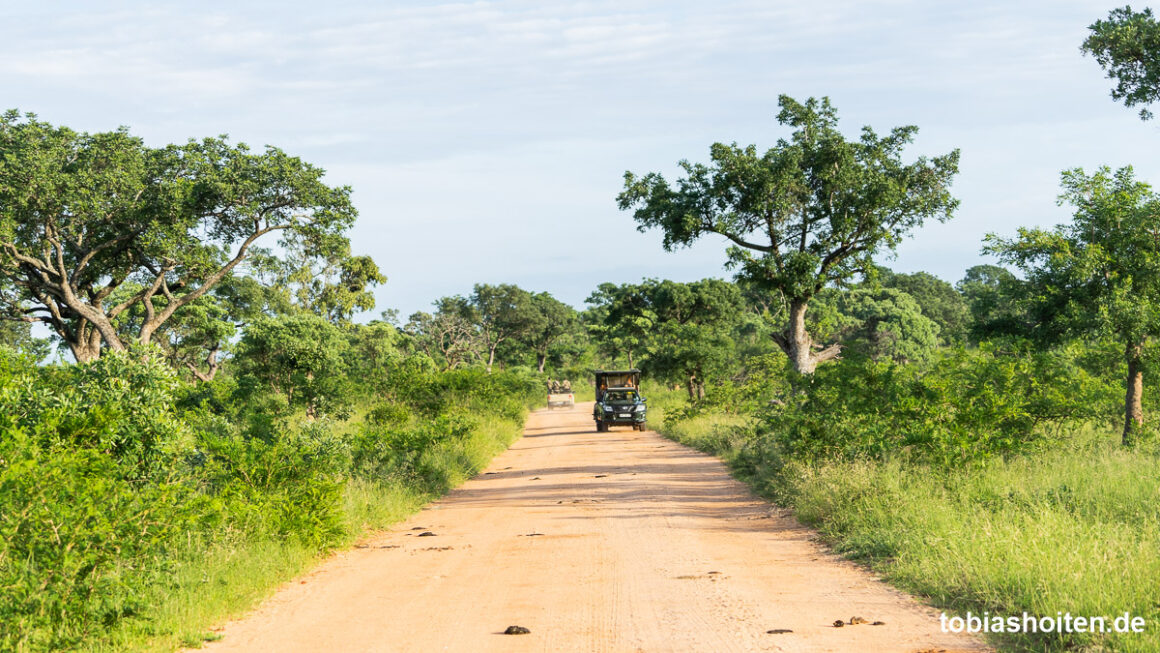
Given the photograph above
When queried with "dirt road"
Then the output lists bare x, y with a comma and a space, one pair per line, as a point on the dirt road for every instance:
619, 541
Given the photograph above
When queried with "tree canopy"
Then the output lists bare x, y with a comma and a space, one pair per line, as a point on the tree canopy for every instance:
1127, 46
84, 216
680, 332
551, 321
982, 288
938, 300
890, 324
1098, 275
811, 211
502, 312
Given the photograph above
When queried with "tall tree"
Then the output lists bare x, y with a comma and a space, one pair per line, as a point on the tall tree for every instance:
693, 338
811, 211
552, 320
938, 300
991, 312
301, 358
620, 321
681, 332
449, 335
502, 313
83, 214
1098, 275
1127, 46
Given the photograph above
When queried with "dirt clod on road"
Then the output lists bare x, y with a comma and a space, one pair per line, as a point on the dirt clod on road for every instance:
640, 544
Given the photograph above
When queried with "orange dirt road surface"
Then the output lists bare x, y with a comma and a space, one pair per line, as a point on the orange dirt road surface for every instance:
619, 541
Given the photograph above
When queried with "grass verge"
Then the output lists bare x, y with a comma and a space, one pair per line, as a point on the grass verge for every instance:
1074, 528
226, 580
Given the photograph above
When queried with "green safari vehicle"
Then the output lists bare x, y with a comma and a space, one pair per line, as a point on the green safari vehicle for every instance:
618, 400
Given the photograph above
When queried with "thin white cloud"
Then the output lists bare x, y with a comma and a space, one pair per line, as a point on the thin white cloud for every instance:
470, 119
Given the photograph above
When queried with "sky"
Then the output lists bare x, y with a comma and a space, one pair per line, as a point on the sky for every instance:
486, 142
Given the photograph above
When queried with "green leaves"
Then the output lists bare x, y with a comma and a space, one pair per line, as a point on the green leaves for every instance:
82, 215
891, 325
120, 405
1098, 276
299, 357
1125, 45
811, 211
967, 407
679, 332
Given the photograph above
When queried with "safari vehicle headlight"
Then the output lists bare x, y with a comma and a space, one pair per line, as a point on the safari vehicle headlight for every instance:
640, 408
607, 408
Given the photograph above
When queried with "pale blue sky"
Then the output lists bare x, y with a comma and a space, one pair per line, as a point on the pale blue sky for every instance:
486, 141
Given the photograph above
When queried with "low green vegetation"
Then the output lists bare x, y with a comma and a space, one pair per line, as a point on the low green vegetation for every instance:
1049, 514
224, 422
136, 509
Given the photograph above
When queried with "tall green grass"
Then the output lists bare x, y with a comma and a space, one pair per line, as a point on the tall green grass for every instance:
229, 578
1071, 528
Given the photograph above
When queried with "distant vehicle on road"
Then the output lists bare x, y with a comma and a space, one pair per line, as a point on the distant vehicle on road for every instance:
618, 400
560, 394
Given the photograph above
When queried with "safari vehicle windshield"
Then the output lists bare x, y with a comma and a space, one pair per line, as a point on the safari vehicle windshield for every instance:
621, 397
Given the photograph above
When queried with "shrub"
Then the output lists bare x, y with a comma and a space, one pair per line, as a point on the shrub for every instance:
79, 543
289, 488
968, 406
121, 404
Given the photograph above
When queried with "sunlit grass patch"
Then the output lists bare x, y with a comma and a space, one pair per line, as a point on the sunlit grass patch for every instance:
1070, 528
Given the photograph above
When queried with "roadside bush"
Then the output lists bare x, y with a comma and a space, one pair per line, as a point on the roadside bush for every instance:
121, 404
388, 414
288, 488
396, 451
967, 406
79, 543
115, 476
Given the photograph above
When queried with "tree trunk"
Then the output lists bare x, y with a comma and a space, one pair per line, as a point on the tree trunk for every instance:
541, 359
695, 387
490, 358
1133, 408
100, 323
796, 342
87, 347
629, 352
212, 365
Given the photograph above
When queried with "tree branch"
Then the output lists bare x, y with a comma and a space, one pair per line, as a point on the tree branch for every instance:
744, 243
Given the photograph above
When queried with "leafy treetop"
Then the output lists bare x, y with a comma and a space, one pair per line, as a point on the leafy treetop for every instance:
811, 211
1127, 46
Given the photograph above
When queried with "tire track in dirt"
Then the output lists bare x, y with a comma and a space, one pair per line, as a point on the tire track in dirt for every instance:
618, 541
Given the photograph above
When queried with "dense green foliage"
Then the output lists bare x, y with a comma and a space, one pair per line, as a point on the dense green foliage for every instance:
939, 301
682, 332
965, 407
115, 473
1098, 276
810, 212
1125, 45
96, 226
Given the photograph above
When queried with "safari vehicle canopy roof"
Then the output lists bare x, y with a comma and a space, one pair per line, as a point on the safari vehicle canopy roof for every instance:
607, 379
